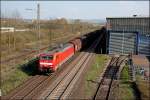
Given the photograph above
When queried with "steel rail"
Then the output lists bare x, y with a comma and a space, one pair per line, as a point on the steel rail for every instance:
109, 76
59, 89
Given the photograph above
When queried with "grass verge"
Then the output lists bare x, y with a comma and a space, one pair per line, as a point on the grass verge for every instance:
125, 86
22, 72
125, 91
144, 87
95, 70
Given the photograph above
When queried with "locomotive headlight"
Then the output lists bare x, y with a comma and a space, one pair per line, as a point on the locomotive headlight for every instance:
42, 63
50, 64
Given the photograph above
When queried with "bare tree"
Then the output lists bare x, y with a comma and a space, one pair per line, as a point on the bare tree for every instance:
16, 17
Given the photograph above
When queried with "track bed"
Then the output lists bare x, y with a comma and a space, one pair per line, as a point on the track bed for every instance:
109, 78
56, 86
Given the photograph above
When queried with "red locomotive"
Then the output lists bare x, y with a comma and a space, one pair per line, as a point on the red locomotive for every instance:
50, 61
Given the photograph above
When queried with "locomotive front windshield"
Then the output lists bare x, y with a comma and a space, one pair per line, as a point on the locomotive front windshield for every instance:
46, 57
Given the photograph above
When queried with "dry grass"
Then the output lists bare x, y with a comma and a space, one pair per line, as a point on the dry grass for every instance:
125, 92
52, 32
14, 42
144, 88
22, 72
95, 70
125, 87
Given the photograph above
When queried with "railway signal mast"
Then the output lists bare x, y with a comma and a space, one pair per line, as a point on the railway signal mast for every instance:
38, 26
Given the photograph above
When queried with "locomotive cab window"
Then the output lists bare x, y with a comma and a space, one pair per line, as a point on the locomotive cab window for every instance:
46, 58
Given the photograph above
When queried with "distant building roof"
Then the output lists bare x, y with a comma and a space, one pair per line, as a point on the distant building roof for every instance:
127, 17
141, 60
138, 23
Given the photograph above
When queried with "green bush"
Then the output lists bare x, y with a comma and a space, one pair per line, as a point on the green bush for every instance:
22, 72
125, 74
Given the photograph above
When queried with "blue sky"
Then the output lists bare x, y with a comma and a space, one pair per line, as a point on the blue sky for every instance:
77, 9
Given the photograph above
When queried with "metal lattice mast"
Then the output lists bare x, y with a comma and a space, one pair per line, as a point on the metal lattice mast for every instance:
38, 27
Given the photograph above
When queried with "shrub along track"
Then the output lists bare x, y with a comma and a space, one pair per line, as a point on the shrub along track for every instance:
57, 85
108, 79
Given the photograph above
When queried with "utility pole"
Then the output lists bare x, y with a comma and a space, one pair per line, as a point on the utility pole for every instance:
34, 28
38, 27
14, 32
9, 33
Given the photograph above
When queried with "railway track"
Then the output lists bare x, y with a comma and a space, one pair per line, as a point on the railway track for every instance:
30, 86
109, 78
63, 85
48, 87
24, 87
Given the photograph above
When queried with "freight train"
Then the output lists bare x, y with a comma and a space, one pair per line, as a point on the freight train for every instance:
51, 61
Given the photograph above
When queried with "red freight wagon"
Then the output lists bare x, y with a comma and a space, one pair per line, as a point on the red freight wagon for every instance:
77, 44
52, 60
